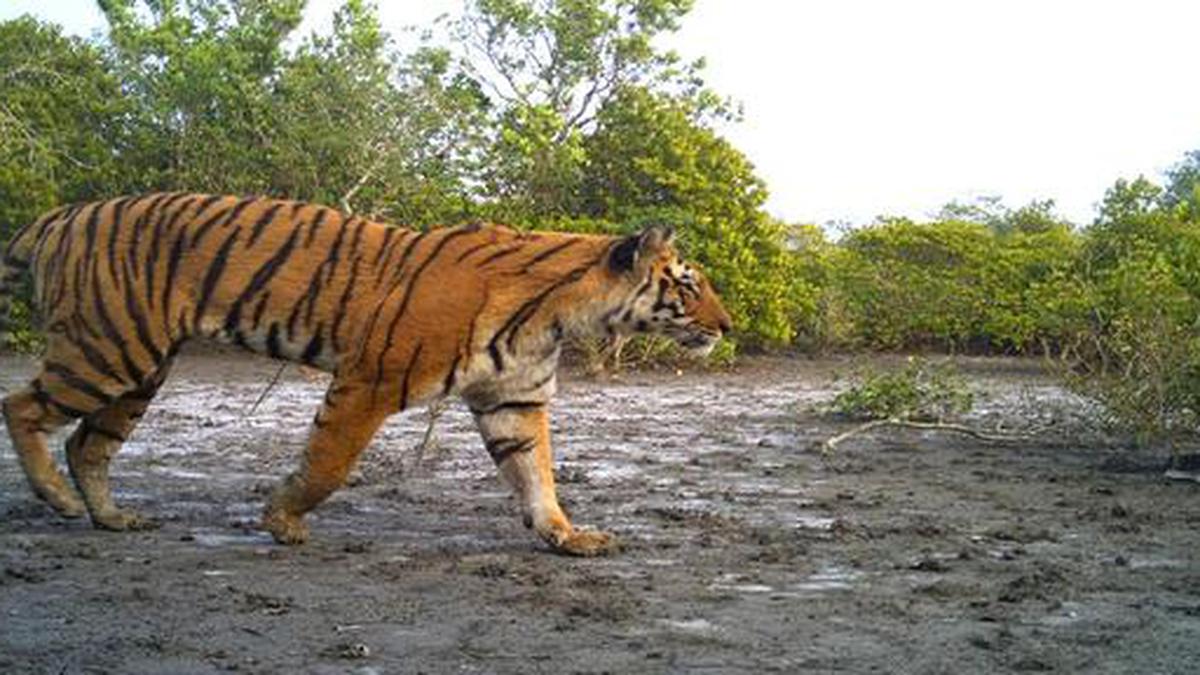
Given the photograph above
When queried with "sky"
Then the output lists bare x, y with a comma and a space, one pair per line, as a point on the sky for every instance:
861, 108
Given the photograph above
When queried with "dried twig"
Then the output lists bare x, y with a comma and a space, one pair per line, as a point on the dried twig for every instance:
270, 386
829, 445
429, 440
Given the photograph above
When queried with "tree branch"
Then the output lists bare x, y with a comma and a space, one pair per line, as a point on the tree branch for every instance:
830, 444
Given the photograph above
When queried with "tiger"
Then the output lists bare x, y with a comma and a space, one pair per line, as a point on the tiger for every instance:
400, 317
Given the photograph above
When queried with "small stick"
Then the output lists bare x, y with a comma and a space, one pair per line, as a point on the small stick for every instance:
435, 412
830, 444
270, 386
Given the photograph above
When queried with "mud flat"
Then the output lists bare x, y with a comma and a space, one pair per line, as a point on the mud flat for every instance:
745, 550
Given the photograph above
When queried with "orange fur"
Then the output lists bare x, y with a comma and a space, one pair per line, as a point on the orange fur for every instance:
400, 318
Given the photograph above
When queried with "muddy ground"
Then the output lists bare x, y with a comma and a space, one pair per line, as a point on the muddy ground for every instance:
746, 551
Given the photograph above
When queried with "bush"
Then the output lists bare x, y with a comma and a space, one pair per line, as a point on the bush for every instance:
921, 391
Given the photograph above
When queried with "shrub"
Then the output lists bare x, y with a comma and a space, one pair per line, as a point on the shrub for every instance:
921, 391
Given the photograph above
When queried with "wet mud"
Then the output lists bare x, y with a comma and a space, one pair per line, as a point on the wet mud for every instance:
744, 549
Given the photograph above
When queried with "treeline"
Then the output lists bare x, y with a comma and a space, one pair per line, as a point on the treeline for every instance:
1115, 304
559, 114
548, 114
985, 278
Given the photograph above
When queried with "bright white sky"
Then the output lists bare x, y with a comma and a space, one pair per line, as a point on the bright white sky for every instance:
858, 108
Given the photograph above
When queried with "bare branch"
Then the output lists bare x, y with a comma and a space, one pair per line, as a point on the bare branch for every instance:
829, 445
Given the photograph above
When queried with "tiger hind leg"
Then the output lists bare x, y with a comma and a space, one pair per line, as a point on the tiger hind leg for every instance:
92, 447
30, 416
342, 429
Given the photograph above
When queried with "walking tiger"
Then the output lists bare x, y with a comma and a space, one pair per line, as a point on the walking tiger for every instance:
400, 317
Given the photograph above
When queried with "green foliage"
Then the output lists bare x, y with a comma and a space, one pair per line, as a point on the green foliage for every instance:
201, 75
1182, 193
650, 161
921, 391
63, 122
555, 114
344, 119
951, 284
17, 328
569, 115
1129, 316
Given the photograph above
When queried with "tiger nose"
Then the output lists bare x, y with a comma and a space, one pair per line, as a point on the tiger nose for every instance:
725, 325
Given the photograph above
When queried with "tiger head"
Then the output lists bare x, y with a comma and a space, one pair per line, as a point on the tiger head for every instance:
671, 297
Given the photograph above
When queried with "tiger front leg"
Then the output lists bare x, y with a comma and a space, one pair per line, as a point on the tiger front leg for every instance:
517, 436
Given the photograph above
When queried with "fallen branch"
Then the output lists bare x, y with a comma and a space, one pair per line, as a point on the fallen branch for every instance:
830, 444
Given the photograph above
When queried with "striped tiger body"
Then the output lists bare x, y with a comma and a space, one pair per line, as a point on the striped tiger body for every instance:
400, 317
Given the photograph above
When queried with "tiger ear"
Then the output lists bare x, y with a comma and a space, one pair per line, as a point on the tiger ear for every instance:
635, 250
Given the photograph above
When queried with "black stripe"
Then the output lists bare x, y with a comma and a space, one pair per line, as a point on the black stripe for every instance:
93, 223
165, 221
527, 310
140, 224
451, 374
502, 448
357, 238
343, 303
261, 276
263, 221
388, 233
322, 213
231, 216
215, 270
397, 273
411, 244
130, 252
273, 341
77, 325
204, 205
48, 228
307, 302
88, 428
61, 253
78, 382
141, 326
477, 247
77, 285
408, 290
114, 226
494, 352
110, 331
500, 254
313, 349
203, 228
115, 229
173, 260
551, 252
507, 406
99, 363
171, 221
660, 302
412, 363
259, 309
44, 399
409, 247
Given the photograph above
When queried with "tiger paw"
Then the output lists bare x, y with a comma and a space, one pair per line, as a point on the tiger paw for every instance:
122, 520
286, 529
588, 543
